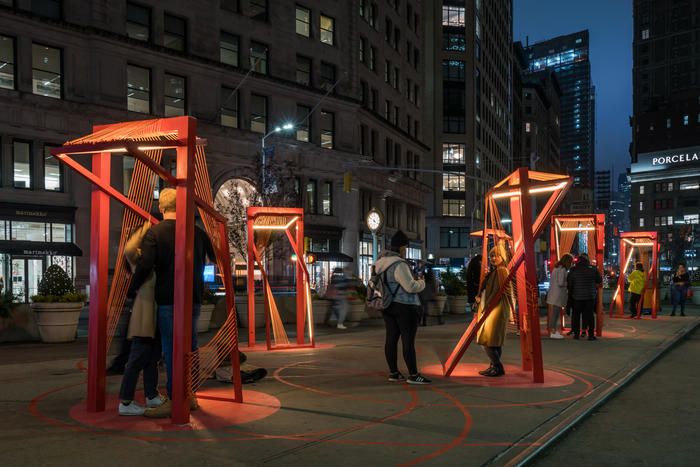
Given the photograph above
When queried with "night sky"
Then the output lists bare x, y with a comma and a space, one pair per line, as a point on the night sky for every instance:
609, 23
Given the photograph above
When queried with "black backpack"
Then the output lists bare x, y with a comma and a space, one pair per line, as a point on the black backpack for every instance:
379, 297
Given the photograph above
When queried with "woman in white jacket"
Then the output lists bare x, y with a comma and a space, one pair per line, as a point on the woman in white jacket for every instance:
558, 295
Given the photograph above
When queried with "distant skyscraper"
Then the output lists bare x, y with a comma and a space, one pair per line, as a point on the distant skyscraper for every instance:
568, 57
602, 190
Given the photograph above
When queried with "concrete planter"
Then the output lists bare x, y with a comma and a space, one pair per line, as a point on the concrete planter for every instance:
320, 308
696, 295
437, 306
356, 311
205, 312
57, 322
242, 307
457, 304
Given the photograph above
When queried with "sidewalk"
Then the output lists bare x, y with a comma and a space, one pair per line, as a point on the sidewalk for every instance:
331, 406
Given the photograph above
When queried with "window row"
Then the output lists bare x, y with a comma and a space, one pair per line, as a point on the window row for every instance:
317, 199
23, 167
36, 231
326, 33
306, 77
47, 68
454, 237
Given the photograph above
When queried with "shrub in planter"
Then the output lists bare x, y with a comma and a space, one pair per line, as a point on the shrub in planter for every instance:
57, 306
455, 286
7, 302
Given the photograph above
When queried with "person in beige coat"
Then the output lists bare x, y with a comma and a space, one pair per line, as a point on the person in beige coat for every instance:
493, 331
145, 345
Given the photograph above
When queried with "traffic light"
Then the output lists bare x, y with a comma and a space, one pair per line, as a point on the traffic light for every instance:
347, 182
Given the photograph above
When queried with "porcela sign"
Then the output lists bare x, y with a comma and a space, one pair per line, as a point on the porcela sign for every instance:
671, 159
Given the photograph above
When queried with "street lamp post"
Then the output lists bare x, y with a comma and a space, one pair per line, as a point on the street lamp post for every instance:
277, 129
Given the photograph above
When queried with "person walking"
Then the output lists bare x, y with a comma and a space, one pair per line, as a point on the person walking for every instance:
145, 348
492, 332
636, 287
582, 282
680, 283
158, 255
558, 295
401, 316
473, 275
338, 291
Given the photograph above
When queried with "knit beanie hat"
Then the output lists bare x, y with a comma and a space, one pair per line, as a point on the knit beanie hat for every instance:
398, 240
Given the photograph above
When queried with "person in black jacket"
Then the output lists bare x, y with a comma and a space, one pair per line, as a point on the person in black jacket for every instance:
158, 254
583, 281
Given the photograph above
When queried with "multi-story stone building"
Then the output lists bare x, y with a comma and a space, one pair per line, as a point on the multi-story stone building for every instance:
468, 115
348, 75
540, 132
665, 148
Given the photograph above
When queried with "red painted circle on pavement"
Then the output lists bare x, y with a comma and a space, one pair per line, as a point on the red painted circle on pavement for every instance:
515, 377
216, 410
262, 347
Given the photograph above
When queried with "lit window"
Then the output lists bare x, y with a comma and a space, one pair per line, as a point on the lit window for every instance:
175, 33
303, 70
686, 120
138, 89
641, 189
311, 197
175, 94
53, 171
691, 218
258, 114
453, 153
645, 34
327, 30
453, 207
21, 164
641, 205
452, 182
7, 62
327, 129
453, 70
694, 185
326, 197
46, 71
228, 49
258, 57
668, 123
229, 107
527, 127
303, 123
138, 22
29, 231
453, 15
303, 21
641, 222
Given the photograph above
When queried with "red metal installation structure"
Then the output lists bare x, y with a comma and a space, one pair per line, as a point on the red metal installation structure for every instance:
146, 142
264, 221
566, 229
645, 247
518, 189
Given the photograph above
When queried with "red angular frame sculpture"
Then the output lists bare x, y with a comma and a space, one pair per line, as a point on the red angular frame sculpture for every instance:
134, 138
629, 241
288, 220
518, 187
594, 223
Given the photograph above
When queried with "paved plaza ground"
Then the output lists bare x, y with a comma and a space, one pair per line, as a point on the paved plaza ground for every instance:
333, 406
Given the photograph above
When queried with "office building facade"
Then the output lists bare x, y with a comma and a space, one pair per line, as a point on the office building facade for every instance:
665, 151
348, 75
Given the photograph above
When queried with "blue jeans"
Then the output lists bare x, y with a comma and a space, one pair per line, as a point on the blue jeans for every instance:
679, 294
165, 325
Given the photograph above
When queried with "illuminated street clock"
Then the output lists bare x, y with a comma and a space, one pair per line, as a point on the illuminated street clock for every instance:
375, 220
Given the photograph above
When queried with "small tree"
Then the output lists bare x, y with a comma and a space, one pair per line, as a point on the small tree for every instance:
56, 286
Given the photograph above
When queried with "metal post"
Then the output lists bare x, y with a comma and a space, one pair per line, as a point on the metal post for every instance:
301, 280
182, 300
374, 247
99, 261
251, 281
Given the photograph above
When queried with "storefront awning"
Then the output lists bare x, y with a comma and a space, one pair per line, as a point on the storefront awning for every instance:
22, 247
332, 256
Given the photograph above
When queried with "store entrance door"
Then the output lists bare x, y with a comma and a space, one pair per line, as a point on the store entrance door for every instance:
26, 274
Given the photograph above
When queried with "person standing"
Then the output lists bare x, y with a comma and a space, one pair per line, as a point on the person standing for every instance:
583, 281
636, 287
558, 295
401, 316
339, 288
681, 282
492, 332
473, 275
158, 255
145, 347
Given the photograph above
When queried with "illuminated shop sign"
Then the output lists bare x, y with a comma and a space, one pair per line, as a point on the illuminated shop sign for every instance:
669, 159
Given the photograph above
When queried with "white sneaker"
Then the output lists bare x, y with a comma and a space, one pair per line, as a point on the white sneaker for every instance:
341, 326
555, 335
155, 402
133, 409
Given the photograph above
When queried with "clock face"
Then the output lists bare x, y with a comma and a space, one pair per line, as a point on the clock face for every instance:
374, 220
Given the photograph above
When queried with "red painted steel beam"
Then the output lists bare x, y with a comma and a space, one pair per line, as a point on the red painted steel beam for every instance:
99, 293
135, 152
251, 280
184, 246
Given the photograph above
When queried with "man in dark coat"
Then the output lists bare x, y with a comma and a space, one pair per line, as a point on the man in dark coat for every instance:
583, 281
473, 275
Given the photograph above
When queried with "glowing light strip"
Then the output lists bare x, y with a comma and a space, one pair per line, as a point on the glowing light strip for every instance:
532, 191
577, 229
638, 243
276, 227
118, 150
622, 272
